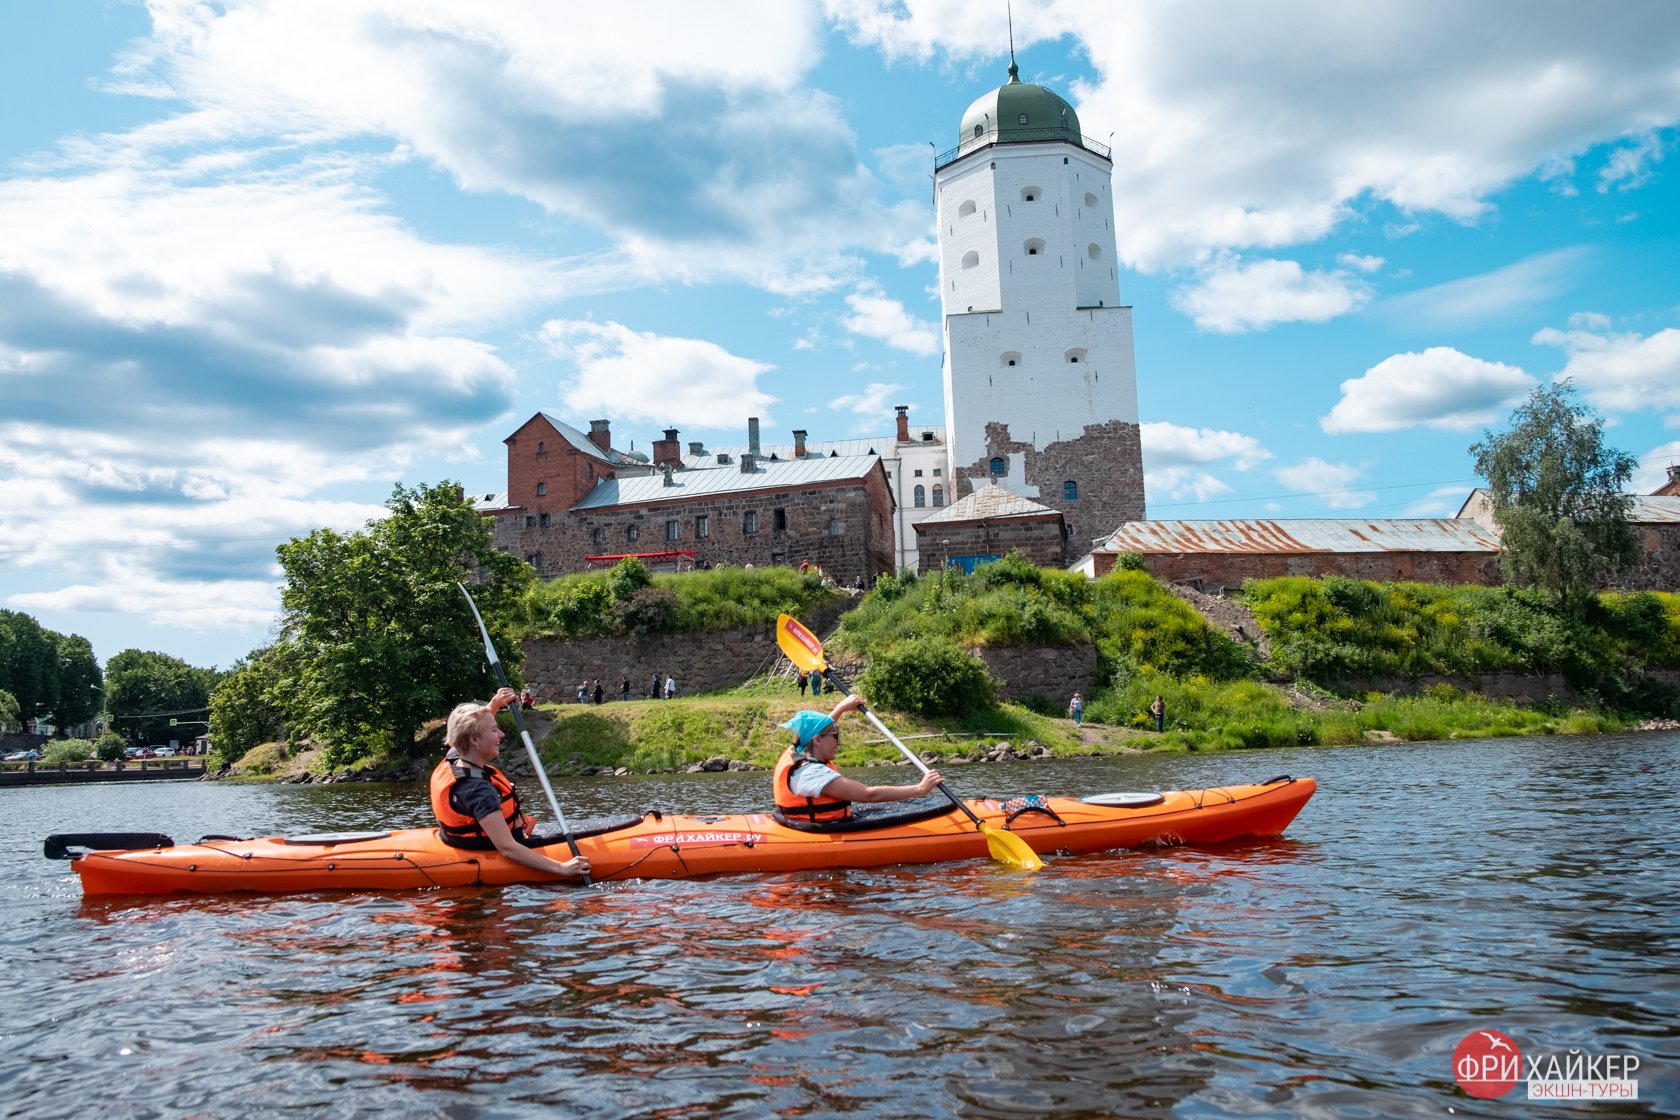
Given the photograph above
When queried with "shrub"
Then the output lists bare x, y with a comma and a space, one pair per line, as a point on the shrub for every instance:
929, 677
67, 750
110, 746
649, 610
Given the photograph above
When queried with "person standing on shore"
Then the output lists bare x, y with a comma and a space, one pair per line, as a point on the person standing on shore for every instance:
802, 682
1159, 710
1076, 710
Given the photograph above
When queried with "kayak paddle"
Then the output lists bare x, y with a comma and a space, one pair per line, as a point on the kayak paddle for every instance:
805, 650
519, 722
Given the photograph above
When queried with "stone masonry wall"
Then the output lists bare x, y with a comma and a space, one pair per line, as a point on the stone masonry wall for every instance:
863, 546
1211, 571
1106, 463
1055, 672
703, 662
1039, 539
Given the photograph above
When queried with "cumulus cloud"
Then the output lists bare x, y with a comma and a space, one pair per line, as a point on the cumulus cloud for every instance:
1259, 126
1654, 465
876, 315
1622, 372
871, 405
639, 375
1440, 388
1332, 483
1177, 459
1232, 296
1442, 501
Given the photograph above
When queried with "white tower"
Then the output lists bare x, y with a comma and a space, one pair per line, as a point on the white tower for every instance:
1040, 381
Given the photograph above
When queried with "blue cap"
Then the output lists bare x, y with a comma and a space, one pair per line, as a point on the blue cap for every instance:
807, 725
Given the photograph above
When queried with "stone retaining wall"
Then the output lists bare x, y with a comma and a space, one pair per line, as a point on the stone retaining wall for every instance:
1053, 672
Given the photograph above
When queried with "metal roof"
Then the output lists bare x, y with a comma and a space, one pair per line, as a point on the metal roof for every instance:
483, 502
988, 501
584, 444
1304, 535
885, 446
714, 481
1654, 509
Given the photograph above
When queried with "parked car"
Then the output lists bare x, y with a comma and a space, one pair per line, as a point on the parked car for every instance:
24, 756
163, 752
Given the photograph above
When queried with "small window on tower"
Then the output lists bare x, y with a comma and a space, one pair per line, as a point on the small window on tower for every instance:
979, 131
920, 496
965, 209
1022, 119
938, 496
1034, 246
971, 259
1090, 199
1030, 194
1094, 251
998, 466
1075, 356
1011, 358
1070, 491
542, 488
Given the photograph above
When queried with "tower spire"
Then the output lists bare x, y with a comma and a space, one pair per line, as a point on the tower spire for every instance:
1014, 71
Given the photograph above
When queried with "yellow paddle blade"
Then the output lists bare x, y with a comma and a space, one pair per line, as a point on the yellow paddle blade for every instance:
801, 647
1006, 847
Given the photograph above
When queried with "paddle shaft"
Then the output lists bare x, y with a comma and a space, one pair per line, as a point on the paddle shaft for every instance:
524, 735
830, 675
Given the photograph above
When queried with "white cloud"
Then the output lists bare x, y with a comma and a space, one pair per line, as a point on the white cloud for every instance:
1505, 293
1360, 263
872, 404
1622, 372
643, 376
1443, 501
878, 316
1176, 459
1261, 126
1653, 466
1232, 296
1439, 388
1333, 483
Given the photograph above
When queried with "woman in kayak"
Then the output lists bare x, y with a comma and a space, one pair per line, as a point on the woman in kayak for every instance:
476, 805
807, 786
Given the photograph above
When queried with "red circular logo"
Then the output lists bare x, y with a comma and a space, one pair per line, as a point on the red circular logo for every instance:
1487, 1064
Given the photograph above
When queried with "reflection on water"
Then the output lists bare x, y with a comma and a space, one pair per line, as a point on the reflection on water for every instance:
1525, 886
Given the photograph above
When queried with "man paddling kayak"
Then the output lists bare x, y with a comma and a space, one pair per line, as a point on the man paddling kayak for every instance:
476, 806
808, 788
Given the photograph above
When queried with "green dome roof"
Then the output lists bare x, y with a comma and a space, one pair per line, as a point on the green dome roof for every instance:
1017, 112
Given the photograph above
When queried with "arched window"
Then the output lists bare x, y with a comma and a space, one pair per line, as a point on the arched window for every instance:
599, 536
921, 495
965, 209
979, 131
1090, 199
998, 466
938, 496
1034, 246
1070, 491
633, 532
1011, 358
542, 488
1094, 251
971, 259
1075, 356
1030, 194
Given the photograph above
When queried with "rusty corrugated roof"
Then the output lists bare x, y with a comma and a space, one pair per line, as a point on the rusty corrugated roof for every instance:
1304, 535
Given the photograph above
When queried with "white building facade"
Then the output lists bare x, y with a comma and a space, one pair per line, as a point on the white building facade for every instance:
1040, 378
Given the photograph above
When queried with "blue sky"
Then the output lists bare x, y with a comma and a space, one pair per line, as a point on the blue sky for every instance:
261, 261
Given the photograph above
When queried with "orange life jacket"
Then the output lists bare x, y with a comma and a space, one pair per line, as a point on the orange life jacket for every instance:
797, 806
456, 827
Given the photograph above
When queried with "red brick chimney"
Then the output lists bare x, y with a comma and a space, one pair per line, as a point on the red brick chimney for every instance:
903, 411
799, 443
600, 436
667, 452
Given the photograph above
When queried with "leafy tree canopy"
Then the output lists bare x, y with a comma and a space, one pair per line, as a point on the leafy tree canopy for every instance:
48, 674
145, 689
1558, 496
8, 711
248, 707
381, 638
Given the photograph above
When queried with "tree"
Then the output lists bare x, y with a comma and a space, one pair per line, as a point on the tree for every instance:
1558, 496
28, 664
383, 640
8, 711
79, 684
145, 689
247, 708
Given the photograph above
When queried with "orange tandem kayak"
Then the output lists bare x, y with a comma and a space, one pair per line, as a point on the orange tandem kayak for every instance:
658, 846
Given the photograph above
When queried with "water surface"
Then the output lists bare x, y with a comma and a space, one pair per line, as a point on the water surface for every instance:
1526, 886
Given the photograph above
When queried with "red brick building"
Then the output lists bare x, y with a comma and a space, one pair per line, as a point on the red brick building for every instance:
571, 496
